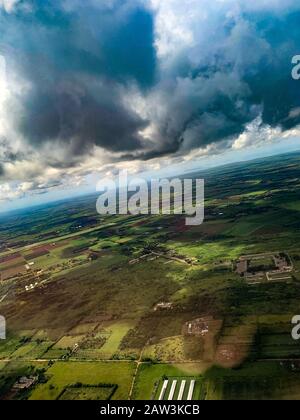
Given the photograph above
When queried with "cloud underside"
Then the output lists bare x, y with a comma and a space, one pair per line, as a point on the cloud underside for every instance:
108, 82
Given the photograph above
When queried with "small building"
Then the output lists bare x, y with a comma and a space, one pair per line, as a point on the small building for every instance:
242, 267
25, 383
135, 261
198, 327
163, 306
31, 286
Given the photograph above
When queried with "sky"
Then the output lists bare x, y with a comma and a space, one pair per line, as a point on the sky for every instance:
151, 86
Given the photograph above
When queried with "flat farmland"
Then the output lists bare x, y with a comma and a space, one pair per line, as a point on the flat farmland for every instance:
260, 381
111, 293
12, 272
65, 374
113, 333
87, 393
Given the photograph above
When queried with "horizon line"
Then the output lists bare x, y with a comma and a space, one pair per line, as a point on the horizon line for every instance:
206, 170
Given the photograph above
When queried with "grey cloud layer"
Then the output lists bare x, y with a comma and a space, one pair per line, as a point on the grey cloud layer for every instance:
76, 60
201, 80
239, 69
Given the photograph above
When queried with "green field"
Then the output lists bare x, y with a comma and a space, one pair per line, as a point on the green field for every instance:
66, 374
97, 309
114, 334
87, 393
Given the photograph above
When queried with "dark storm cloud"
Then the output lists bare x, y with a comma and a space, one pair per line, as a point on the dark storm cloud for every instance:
76, 116
80, 58
270, 82
77, 56
239, 73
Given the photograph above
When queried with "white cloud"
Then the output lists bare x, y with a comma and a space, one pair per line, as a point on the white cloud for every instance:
10, 192
8, 5
259, 134
184, 24
11, 88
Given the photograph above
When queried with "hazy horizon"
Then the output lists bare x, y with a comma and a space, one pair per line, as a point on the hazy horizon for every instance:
91, 192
